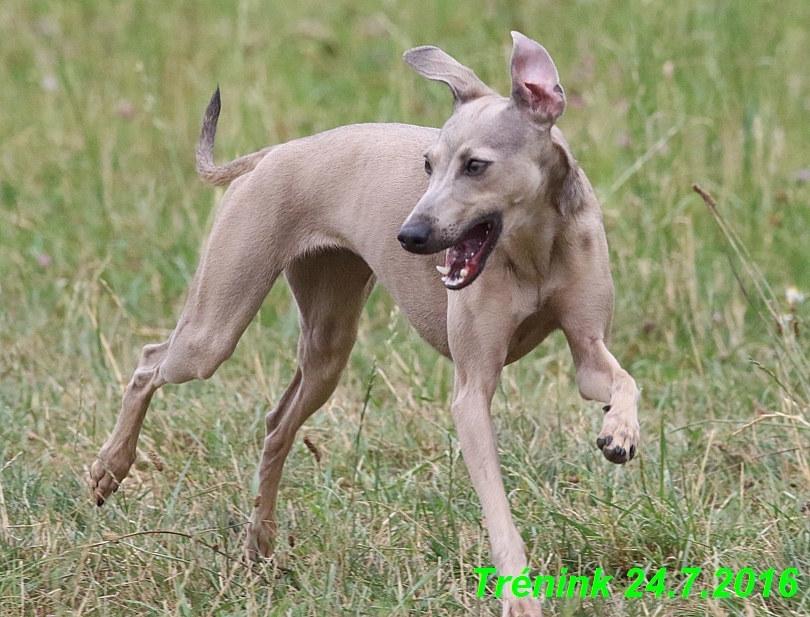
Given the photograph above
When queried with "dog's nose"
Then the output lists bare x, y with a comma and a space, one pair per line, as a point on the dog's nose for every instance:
414, 236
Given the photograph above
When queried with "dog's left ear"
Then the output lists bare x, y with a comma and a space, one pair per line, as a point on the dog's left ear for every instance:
433, 63
535, 83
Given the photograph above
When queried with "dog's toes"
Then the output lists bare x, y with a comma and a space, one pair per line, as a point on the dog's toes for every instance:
616, 455
260, 541
619, 438
601, 442
254, 554
103, 483
521, 607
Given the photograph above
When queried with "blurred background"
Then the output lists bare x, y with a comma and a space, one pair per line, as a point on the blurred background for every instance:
102, 219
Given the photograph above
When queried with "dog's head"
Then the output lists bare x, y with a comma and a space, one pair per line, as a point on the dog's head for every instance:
490, 157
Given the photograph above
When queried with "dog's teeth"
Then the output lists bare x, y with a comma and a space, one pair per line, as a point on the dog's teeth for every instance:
444, 279
464, 272
445, 270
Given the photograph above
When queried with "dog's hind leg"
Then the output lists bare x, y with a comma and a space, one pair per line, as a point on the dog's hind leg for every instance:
245, 254
330, 288
118, 454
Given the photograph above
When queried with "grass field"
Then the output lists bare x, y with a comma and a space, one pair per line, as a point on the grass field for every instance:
101, 223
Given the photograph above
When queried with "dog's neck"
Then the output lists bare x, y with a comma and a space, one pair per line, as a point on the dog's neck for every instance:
551, 210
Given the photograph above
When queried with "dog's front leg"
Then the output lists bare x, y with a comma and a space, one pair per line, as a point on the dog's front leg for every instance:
600, 378
479, 445
479, 334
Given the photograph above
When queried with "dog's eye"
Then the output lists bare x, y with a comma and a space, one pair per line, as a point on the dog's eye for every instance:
475, 167
428, 168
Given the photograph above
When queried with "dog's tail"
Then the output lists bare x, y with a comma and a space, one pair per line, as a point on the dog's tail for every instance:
221, 174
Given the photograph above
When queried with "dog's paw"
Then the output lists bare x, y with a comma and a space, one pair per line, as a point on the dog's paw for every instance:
618, 440
521, 607
260, 541
105, 478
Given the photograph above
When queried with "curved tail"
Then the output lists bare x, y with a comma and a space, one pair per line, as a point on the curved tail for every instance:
221, 174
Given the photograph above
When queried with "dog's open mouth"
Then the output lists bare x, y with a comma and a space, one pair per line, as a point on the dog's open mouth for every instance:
465, 260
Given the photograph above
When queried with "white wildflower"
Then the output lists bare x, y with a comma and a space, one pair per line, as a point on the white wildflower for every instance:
794, 296
50, 83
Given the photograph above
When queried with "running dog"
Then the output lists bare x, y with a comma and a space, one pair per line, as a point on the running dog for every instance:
503, 243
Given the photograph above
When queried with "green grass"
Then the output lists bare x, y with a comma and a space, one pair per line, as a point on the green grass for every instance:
102, 219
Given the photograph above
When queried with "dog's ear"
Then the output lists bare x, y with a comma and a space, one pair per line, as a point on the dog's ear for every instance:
535, 82
433, 63
572, 193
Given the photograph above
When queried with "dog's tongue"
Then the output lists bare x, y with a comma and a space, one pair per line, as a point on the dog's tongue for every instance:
463, 260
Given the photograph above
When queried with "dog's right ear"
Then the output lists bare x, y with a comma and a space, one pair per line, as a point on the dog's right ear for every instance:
433, 63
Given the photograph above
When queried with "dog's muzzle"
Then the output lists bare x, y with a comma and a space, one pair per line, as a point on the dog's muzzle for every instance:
415, 238
466, 254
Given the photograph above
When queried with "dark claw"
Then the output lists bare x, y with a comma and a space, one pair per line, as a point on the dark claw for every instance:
100, 501
632, 452
608, 439
600, 442
606, 408
616, 455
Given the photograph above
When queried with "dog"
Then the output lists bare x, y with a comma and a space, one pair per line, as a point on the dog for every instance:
503, 243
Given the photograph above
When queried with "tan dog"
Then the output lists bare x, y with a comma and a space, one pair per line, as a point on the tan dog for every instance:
525, 254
